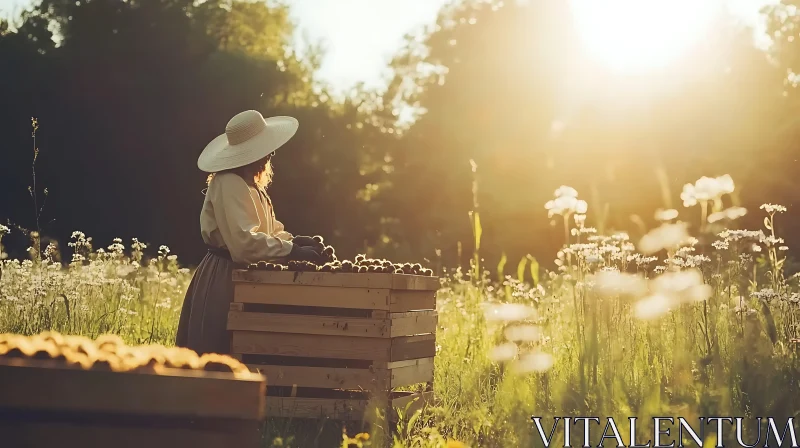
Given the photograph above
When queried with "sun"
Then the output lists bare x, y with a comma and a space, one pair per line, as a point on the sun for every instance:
633, 36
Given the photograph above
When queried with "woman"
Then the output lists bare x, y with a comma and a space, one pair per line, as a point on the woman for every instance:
238, 224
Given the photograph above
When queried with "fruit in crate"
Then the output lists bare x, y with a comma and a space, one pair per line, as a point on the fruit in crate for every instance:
110, 353
361, 264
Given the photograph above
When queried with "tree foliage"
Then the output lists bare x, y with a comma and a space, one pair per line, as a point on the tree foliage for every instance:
128, 93
509, 86
509, 108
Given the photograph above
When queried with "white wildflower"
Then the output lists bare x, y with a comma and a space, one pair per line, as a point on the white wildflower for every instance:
770, 240
729, 214
612, 283
773, 208
565, 203
508, 312
534, 362
666, 236
565, 191
666, 215
523, 333
652, 307
683, 285
706, 189
766, 294
737, 235
504, 352
720, 244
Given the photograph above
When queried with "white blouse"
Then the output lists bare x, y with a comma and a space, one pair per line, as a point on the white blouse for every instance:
235, 217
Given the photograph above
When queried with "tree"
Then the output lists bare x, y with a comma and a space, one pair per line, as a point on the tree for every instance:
510, 88
133, 91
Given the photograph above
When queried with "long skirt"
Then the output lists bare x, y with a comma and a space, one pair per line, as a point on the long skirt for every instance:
204, 315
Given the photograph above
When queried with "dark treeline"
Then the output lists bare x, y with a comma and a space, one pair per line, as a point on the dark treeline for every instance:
133, 90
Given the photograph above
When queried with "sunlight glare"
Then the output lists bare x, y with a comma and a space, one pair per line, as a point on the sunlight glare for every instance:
632, 36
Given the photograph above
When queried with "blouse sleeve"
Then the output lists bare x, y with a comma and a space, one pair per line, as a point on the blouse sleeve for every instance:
240, 225
281, 233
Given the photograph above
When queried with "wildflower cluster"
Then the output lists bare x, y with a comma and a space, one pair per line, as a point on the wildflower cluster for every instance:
707, 189
667, 269
566, 202
100, 291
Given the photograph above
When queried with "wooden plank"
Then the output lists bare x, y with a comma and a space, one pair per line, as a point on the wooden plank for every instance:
316, 408
305, 324
404, 363
413, 322
338, 279
322, 296
408, 375
170, 394
236, 306
309, 310
339, 409
400, 301
312, 346
324, 377
52, 432
413, 347
415, 282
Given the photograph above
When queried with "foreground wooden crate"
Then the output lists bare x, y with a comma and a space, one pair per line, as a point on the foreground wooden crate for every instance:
44, 404
336, 345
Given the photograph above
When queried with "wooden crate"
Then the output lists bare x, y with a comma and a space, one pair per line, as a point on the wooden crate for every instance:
47, 404
335, 344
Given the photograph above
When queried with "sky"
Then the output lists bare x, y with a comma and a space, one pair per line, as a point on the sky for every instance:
361, 35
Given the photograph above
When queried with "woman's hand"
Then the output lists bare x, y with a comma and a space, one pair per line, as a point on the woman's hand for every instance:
301, 253
307, 241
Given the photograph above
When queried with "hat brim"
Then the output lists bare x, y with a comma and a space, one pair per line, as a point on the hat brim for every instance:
220, 156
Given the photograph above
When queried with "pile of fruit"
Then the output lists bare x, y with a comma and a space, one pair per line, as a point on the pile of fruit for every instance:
361, 264
109, 353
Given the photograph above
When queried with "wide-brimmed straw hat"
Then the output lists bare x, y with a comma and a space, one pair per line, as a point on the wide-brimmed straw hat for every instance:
248, 138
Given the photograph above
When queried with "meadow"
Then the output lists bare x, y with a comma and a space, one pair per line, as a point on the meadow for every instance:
697, 318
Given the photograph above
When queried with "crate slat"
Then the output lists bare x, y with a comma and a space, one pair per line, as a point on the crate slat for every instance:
339, 409
414, 322
315, 408
335, 297
339, 279
400, 301
174, 394
409, 375
344, 378
405, 363
413, 347
69, 435
324, 377
308, 324
336, 347
312, 346
394, 325
322, 296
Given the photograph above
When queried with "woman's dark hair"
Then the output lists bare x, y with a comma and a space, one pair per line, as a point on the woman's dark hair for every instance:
258, 174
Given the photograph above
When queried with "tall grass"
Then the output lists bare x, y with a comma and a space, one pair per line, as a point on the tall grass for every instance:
671, 325
99, 291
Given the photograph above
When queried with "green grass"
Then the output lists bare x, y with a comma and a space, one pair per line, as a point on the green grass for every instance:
587, 348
